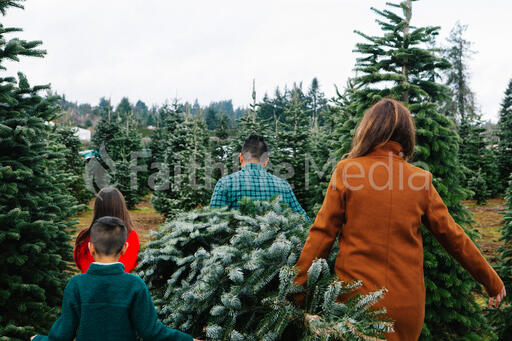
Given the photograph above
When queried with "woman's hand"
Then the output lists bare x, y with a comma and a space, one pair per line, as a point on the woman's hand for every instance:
32, 338
497, 299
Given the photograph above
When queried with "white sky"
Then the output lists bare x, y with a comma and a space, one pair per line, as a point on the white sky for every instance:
154, 50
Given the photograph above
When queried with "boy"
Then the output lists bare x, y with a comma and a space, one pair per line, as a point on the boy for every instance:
106, 303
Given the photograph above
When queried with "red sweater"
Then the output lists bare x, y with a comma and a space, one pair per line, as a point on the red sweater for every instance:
83, 257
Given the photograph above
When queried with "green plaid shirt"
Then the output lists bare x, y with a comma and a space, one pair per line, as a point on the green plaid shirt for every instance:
254, 182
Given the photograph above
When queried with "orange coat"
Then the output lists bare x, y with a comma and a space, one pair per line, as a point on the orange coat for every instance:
381, 201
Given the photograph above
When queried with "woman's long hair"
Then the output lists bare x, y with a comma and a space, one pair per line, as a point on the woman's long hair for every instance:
387, 120
109, 202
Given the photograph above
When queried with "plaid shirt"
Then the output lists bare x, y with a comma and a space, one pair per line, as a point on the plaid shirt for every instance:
254, 182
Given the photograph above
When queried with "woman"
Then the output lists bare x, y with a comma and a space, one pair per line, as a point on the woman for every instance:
109, 202
381, 201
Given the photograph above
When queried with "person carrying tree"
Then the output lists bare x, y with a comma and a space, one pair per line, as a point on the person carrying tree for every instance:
106, 303
377, 202
253, 181
109, 202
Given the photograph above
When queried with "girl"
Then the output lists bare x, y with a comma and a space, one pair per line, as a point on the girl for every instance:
381, 200
109, 202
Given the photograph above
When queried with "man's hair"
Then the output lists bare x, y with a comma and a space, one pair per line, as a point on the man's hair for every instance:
255, 148
108, 235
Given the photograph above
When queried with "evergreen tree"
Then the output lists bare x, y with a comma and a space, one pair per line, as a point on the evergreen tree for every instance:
505, 137
35, 206
119, 143
291, 146
185, 180
401, 63
73, 164
502, 319
461, 104
225, 275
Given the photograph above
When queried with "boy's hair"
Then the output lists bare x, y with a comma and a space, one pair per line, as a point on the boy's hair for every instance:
255, 148
108, 235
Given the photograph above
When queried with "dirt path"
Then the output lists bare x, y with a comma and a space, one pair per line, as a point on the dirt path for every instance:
488, 222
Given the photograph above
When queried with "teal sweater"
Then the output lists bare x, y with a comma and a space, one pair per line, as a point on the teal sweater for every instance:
106, 303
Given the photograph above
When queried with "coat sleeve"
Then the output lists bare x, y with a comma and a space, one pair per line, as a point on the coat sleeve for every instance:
458, 244
327, 224
145, 320
65, 328
129, 259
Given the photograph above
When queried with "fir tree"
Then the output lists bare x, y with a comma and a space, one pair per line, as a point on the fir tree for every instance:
73, 164
35, 206
505, 137
291, 146
185, 179
119, 144
502, 319
226, 275
401, 63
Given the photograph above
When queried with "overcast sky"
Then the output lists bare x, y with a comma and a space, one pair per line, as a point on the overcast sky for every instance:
155, 50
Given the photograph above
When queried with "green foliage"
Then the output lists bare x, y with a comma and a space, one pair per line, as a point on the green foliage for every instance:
119, 144
401, 63
226, 275
479, 187
184, 179
502, 318
505, 137
35, 206
73, 164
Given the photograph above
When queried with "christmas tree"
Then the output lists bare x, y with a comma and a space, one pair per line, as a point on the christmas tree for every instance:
73, 164
226, 275
502, 319
184, 180
35, 206
401, 63
119, 143
505, 137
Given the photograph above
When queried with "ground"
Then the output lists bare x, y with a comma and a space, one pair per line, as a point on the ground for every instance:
488, 222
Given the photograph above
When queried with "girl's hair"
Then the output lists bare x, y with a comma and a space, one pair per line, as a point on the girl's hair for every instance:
387, 120
109, 202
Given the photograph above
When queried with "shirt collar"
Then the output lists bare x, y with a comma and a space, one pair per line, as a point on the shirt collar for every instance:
106, 269
390, 147
253, 167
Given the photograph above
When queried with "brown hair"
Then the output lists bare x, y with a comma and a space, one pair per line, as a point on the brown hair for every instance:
109, 202
387, 120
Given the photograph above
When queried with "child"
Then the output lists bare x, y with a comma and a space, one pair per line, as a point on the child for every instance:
109, 202
106, 303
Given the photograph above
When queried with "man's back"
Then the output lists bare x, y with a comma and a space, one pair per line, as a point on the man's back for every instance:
254, 182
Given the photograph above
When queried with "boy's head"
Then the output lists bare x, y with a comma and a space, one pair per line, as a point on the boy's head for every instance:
108, 237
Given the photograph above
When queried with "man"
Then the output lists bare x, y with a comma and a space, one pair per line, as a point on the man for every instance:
253, 181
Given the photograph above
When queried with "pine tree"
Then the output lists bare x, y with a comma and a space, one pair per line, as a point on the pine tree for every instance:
505, 137
291, 146
73, 164
226, 275
35, 206
401, 63
502, 319
119, 144
185, 179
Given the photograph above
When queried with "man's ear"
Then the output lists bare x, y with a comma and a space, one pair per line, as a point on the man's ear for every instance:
125, 247
265, 163
241, 159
